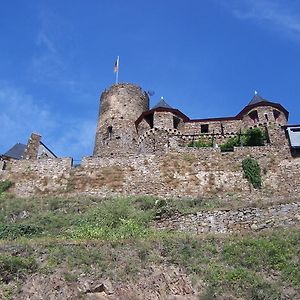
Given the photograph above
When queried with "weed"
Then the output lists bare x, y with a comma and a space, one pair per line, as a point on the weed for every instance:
4, 186
14, 231
14, 267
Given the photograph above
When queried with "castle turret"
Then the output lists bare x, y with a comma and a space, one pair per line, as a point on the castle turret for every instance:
120, 106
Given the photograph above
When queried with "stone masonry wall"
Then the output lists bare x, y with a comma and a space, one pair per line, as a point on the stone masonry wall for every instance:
233, 221
229, 126
120, 106
2, 164
32, 148
38, 177
192, 173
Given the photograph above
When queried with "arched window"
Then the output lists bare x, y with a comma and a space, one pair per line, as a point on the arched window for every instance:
254, 116
276, 114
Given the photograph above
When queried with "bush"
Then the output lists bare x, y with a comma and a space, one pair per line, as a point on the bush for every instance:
254, 137
13, 267
115, 219
252, 172
4, 186
230, 143
14, 231
201, 143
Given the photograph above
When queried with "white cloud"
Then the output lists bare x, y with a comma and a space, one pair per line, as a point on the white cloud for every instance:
21, 114
276, 15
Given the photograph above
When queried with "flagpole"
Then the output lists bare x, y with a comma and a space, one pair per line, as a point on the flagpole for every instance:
117, 73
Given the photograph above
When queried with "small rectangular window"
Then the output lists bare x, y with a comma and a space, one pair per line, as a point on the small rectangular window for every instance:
109, 132
204, 128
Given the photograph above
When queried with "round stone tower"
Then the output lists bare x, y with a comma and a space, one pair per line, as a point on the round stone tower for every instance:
120, 106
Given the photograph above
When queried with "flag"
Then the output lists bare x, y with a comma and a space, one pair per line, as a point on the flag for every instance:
116, 67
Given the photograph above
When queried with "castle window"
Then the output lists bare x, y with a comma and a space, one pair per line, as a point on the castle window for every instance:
176, 122
276, 114
222, 129
109, 131
254, 116
204, 128
149, 120
266, 116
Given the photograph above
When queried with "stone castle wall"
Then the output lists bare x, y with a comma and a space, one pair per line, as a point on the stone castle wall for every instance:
37, 177
186, 172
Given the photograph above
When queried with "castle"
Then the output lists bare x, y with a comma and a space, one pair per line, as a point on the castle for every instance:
143, 151
126, 124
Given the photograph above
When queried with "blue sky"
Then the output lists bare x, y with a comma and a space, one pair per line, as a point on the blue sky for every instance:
206, 57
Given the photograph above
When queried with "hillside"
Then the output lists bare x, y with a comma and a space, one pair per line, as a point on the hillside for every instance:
97, 248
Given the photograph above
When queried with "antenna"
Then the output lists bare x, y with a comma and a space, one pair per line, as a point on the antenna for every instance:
150, 93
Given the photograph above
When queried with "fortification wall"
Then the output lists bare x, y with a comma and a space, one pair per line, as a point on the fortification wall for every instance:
38, 177
203, 172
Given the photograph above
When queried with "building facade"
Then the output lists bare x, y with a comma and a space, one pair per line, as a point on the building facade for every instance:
127, 125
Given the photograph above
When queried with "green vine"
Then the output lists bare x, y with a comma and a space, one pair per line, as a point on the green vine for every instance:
252, 172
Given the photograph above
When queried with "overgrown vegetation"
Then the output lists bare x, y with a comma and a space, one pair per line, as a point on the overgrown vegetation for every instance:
13, 267
201, 143
252, 172
113, 238
4, 186
252, 137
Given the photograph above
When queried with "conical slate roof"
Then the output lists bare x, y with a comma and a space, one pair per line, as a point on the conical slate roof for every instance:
256, 99
162, 104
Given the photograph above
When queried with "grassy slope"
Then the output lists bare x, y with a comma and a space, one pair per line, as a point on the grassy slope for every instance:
113, 238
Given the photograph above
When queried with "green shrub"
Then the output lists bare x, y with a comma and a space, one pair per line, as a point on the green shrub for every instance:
254, 137
230, 143
13, 231
145, 203
115, 219
252, 172
201, 143
5, 185
14, 266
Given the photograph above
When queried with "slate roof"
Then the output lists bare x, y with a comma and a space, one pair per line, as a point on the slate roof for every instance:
257, 99
162, 104
16, 151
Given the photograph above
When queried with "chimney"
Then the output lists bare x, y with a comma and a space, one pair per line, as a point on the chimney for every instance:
32, 148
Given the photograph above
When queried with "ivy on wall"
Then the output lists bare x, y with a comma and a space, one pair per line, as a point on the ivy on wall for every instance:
252, 172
